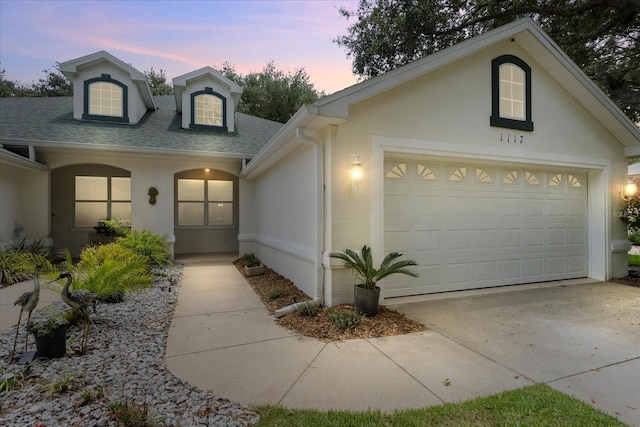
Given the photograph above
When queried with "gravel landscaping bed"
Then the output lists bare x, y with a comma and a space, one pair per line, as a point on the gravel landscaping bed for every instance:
123, 367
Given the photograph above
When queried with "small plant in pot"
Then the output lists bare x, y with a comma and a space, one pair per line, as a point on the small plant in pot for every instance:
252, 265
50, 332
366, 293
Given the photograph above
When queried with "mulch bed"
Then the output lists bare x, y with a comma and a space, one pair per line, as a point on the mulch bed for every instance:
629, 280
386, 323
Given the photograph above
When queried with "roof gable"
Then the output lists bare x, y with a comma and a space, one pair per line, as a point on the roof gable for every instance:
180, 84
71, 70
527, 34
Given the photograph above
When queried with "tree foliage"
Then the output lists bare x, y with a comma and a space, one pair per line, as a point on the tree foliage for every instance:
600, 36
158, 82
273, 94
54, 83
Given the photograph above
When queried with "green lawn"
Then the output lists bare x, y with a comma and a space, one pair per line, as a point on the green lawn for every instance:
634, 259
537, 405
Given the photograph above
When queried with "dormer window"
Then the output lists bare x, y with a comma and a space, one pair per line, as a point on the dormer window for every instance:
511, 93
105, 99
208, 110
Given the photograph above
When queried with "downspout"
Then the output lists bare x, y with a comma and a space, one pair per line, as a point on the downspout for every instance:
319, 220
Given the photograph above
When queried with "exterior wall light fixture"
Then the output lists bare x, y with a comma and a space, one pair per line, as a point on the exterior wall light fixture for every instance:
355, 172
628, 190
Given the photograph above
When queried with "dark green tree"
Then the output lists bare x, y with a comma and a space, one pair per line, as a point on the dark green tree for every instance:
600, 36
158, 82
53, 84
273, 94
11, 88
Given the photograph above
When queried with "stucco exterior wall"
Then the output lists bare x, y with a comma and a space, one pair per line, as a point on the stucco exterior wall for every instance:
155, 172
136, 105
447, 113
24, 201
199, 85
278, 217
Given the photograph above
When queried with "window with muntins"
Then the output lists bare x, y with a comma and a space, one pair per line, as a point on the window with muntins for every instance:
205, 202
208, 110
511, 93
105, 99
101, 197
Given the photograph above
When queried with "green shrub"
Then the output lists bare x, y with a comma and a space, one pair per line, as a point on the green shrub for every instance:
151, 245
13, 267
19, 265
309, 308
250, 260
109, 271
634, 237
345, 319
276, 292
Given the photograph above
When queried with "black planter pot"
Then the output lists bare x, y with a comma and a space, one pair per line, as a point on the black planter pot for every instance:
53, 345
366, 300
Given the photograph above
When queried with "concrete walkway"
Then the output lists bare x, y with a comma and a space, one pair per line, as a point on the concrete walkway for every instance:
9, 313
582, 339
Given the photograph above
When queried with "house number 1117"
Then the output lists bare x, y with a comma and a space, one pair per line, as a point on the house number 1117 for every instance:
516, 139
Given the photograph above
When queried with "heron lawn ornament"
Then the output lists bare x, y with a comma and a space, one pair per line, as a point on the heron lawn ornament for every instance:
28, 301
81, 300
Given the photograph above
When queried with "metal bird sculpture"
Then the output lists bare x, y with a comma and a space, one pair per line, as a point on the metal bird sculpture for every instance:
81, 299
28, 301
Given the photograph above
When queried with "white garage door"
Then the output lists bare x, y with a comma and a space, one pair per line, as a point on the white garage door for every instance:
474, 226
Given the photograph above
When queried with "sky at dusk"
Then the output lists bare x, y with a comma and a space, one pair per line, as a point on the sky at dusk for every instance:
178, 36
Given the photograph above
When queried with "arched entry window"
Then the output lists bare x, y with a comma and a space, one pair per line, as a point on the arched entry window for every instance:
105, 99
205, 199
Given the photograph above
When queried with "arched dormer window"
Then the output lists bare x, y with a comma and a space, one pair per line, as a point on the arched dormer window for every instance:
208, 110
105, 99
511, 93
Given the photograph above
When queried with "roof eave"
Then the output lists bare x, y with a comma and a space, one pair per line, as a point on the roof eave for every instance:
285, 140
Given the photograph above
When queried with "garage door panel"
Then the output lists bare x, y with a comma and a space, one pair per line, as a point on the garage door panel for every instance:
472, 226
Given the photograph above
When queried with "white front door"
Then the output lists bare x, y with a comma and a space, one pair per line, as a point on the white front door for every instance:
472, 225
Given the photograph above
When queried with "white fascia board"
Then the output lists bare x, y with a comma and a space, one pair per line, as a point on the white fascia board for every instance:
185, 79
57, 146
533, 39
285, 140
412, 70
572, 77
281, 143
7, 157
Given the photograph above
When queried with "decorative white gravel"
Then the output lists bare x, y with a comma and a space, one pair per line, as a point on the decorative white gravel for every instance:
124, 359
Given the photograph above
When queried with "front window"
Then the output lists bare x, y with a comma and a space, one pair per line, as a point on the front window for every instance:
101, 197
208, 110
511, 93
105, 99
205, 202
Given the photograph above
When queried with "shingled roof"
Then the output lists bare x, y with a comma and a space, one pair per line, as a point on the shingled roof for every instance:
46, 122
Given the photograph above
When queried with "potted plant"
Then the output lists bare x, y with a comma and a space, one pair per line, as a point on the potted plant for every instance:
252, 265
366, 293
50, 333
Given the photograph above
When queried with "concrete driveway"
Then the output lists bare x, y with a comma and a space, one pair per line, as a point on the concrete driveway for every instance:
581, 339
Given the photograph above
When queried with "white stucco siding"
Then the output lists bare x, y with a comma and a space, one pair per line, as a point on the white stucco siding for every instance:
446, 113
281, 225
135, 104
158, 172
200, 85
24, 202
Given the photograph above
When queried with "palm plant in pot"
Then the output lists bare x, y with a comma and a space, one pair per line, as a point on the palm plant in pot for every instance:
366, 293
